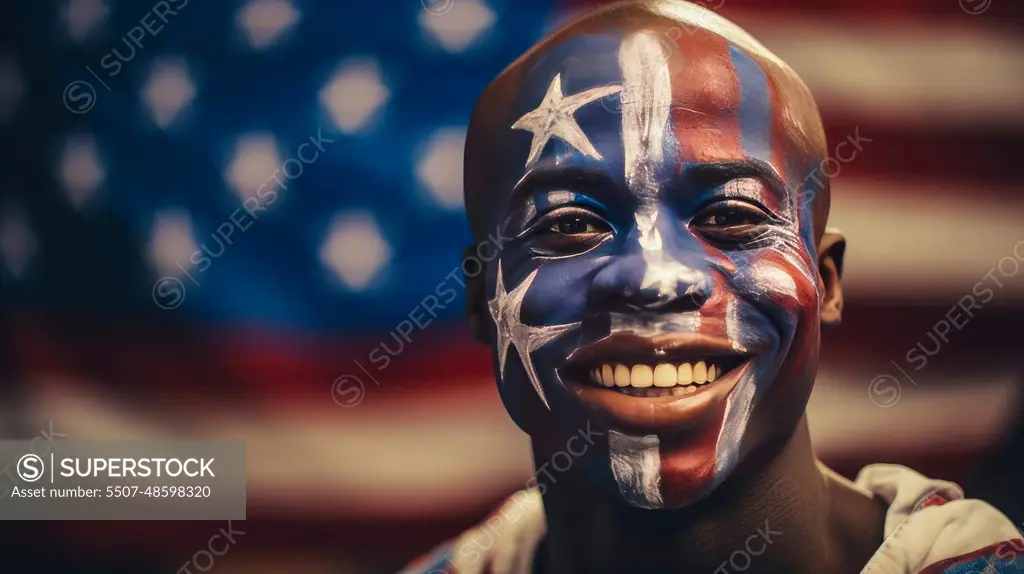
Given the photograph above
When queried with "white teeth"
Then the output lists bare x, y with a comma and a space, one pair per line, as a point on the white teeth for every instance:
607, 376
662, 375
621, 376
685, 374
700, 373
641, 376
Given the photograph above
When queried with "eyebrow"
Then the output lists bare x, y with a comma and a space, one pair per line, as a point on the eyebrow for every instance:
701, 176
708, 175
558, 177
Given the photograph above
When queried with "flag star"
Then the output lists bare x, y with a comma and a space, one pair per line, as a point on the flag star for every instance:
17, 242
168, 90
505, 310
82, 16
456, 24
265, 21
554, 117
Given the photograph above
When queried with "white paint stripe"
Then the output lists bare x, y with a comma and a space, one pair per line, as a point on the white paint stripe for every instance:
775, 280
636, 466
693, 17
646, 102
732, 325
737, 413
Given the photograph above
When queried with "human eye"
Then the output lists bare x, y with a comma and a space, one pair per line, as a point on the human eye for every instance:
569, 231
731, 223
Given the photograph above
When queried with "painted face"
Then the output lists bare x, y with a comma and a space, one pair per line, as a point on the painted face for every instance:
661, 284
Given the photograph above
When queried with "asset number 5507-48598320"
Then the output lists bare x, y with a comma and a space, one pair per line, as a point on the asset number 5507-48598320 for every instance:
158, 491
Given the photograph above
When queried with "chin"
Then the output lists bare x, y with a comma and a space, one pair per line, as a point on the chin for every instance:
689, 475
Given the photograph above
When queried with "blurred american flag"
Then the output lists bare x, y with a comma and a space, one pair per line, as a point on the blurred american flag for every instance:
142, 299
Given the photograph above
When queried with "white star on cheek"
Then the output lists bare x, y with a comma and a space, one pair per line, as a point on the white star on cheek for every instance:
505, 309
554, 118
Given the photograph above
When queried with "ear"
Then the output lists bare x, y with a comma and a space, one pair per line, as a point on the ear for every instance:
830, 269
476, 300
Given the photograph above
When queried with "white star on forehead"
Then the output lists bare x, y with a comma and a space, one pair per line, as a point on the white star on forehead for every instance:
554, 117
505, 308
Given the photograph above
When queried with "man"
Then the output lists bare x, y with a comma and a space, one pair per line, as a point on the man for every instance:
655, 313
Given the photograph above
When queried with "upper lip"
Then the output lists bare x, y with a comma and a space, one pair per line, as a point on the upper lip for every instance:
630, 348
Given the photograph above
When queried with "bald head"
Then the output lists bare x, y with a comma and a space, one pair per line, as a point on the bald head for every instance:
729, 100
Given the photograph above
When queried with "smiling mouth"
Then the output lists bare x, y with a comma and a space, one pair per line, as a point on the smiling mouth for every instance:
660, 366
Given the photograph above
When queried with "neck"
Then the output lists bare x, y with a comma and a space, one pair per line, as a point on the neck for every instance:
789, 514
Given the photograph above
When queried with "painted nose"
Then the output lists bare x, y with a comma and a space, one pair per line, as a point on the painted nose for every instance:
653, 284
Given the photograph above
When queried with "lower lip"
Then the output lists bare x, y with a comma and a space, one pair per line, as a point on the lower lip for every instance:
660, 415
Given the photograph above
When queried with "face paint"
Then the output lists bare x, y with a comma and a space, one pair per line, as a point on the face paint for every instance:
554, 118
636, 466
505, 309
664, 285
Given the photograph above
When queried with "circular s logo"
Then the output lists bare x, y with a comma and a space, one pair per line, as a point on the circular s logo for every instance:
348, 391
30, 468
168, 293
885, 391
79, 97
437, 7
975, 7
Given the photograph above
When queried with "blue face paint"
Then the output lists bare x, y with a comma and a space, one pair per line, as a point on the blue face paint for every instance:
755, 106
